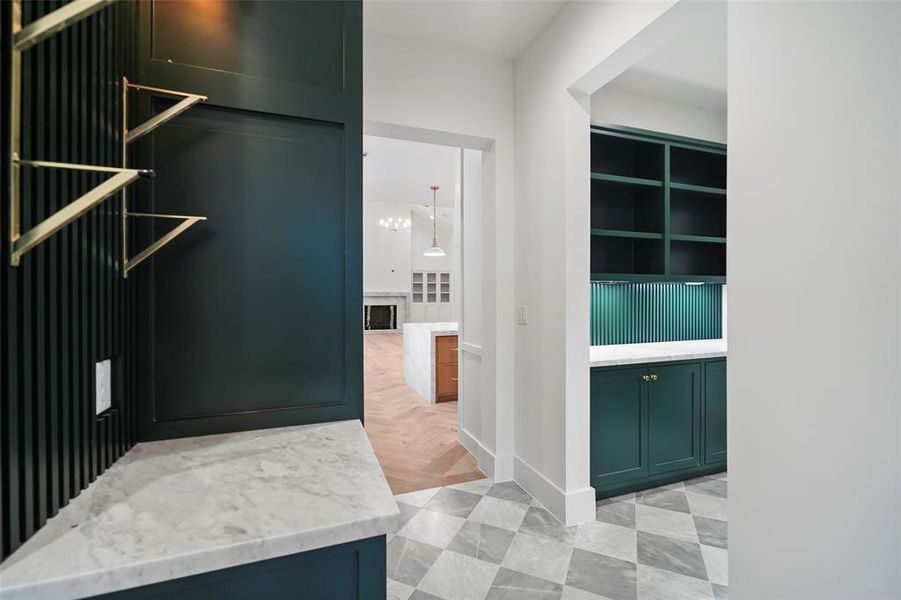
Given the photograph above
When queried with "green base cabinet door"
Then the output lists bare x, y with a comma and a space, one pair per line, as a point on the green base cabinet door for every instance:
715, 412
674, 417
619, 450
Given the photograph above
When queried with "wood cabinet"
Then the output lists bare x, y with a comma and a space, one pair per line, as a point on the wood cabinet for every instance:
445, 368
651, 424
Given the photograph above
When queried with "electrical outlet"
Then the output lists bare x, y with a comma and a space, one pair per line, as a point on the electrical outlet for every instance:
522, 315
103, 384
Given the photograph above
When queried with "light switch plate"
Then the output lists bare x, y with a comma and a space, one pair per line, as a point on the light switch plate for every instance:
522, 315
103, 385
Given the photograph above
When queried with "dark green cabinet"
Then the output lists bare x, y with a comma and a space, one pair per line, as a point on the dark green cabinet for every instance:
674, 418
656, 423
715, 412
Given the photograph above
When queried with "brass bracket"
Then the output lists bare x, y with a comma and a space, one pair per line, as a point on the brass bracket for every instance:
24, 38
128, 136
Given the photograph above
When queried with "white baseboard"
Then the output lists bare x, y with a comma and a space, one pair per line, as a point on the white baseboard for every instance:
570, 508
498, 468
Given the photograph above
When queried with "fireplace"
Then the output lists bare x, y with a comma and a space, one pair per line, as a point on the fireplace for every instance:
380, 317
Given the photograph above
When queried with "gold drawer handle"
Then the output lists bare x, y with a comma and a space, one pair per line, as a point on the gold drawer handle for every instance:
454, 348
654, 377
645, 377
453, 379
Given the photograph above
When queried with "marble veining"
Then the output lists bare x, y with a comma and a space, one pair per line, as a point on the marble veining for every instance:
625, 354
419, 355
180, 507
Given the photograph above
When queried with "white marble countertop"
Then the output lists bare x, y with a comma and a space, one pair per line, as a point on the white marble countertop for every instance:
180, 507
626, 354
440, 328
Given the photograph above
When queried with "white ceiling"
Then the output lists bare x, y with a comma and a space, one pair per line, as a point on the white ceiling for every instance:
690, 69
401, 171
499, 28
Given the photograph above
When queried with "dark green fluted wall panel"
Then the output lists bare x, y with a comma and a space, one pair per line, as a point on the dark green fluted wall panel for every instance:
630, 313
63, 309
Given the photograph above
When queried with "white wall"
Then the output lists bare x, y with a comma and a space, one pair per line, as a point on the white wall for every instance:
552, 246
433, 93
613, 107
813, 260
421, 238
386, 254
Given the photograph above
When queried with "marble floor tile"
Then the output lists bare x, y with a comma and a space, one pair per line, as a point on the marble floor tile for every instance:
409, 560
479, 486
708, 506
539, 521
538, 556
571, 593
432, 528
717, 562
666, 522
673, 555
616, 513
417, 498
458, 577
420, 595
505, 514
630, 497
508, 490
485, 542
712, 532
709, 487
668, 499
513, 585
720, 592
657, 584
604, 538
453, 502
399, 591
407, 511
603, 575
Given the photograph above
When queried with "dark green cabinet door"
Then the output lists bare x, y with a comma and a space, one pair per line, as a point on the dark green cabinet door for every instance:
715, 412
618, 425
674, 415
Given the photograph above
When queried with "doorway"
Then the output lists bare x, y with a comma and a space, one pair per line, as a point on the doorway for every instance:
413, 207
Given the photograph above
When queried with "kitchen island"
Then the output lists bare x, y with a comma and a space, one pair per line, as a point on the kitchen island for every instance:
298, 512
424, 362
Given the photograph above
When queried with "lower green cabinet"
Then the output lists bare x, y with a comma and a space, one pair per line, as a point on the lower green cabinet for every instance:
656, 423
715, 412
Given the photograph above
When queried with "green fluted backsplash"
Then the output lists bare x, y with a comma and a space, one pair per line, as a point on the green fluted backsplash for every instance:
629, 313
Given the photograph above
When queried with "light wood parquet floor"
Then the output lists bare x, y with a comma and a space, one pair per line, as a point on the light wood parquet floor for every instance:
415, 442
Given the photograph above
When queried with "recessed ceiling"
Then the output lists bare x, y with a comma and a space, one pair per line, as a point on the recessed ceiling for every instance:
499, 28
689, 69
401, 171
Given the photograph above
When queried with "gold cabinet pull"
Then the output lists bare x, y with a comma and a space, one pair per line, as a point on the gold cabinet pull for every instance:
645, 377
453, 379
654, 377
454, 348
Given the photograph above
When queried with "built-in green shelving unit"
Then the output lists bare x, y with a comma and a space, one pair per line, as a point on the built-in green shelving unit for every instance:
658, 207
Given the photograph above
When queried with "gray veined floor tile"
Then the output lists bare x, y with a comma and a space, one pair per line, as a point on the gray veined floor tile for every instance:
539, 556
398, 591
666, 522
418, 498
539, 521
673, 555
720, 592
437, 529
630, 497
711, 507
512, 585
616, 513
420, 595
709, 487
657, 584
479, 486
605, 538
571, 593
602, 575
485, 542
407, 511
668, 499
409, 560
717, 562
712, 532
508, 490
453, 502
458, 577
505, 514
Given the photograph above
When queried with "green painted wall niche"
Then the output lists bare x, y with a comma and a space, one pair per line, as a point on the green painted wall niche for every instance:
632, 313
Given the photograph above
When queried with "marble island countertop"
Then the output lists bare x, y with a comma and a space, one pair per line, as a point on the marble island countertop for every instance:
419, 355
626, 354
180, 507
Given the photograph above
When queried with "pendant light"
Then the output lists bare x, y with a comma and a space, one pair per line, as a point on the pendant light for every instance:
435, 250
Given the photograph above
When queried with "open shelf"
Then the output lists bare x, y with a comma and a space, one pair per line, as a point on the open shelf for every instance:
626, 255
619, 233
697, 214
697, 167
627, 157
697, 258
626, 207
